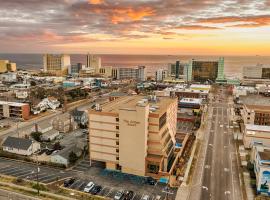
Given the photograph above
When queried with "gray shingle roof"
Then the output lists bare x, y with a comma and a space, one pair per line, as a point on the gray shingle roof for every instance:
18, 143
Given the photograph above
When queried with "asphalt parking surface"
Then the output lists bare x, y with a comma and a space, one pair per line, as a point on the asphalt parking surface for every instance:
109, 191
110, 183
27, 171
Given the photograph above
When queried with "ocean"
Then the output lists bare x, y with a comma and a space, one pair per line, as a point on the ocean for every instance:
233, 64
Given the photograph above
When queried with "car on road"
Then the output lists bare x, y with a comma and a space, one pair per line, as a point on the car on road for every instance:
150, 181
118, 195
96, 189
89, 187
146, 197
69, 182
128, 195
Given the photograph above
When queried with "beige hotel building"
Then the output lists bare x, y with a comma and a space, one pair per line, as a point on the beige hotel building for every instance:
135, 134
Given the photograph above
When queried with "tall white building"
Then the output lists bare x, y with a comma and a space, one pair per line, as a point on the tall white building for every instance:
93, 61
142, 73
161, 74
57, 64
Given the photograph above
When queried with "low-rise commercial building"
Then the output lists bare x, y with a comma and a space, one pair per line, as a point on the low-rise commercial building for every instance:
9, 77
261, 160
256, 109
14, 110
193, 103
135, 134
256, 134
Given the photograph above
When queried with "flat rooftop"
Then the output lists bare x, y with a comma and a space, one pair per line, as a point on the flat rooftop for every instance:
130, 102
265, 155
256, 101
12, 103
253, 127
191, 100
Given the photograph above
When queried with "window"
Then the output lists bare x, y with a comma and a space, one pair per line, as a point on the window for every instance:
117, 150
117, 135
117, 142
117, 158
117, 127
117, 119
118, 167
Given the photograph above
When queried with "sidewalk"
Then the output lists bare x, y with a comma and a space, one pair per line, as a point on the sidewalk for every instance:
192, 190
249, 190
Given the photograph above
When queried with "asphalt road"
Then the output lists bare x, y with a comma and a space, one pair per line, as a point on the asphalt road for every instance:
10, 195
12, 130
220, 179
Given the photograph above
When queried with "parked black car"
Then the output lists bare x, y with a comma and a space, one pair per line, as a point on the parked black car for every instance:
96, 189
128, 195
69, 182
150, 181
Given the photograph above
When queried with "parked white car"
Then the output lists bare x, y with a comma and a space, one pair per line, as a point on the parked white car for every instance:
89, 187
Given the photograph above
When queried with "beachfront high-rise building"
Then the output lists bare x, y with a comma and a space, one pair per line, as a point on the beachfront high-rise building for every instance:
202, 71
142, 73
176, 70
161, 74
93, 61
56, 64
6, 65
135, 134
139, 74
256, 72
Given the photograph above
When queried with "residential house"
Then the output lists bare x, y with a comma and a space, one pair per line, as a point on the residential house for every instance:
62, 157
50, 135
21, 146
80, 116
64, 123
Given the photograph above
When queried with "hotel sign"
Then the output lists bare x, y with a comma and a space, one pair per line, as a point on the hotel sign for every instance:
131, 122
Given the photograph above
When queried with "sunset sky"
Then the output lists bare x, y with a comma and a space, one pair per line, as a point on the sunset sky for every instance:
182, 27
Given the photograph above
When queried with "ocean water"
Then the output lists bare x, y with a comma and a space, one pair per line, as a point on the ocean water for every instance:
233, 64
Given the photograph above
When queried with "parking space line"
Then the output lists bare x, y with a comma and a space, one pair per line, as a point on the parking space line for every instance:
12, 170
82, 182
47, 177
52, 179
73, 184
20, 173
25, 175
6, 167
9, 169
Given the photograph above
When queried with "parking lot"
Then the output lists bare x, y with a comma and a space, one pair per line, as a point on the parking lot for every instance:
109, 191
185, 127
27, 171
83, 174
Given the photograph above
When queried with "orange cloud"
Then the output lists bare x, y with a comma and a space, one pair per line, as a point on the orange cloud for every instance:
246, 21
96, 2
127, 14
197, 27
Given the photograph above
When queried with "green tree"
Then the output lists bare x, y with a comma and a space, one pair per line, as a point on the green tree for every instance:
57, 146
36, 136
72, 158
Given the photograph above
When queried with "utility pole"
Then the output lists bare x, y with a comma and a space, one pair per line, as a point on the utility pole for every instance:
17, 124
37, 175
